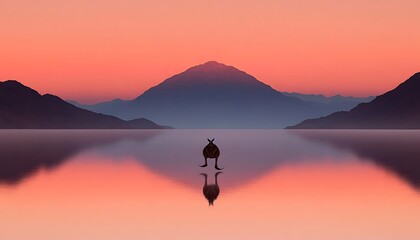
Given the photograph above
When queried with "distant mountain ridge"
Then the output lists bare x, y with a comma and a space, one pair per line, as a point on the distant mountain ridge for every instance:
396, 109
24, 108
336, 99
214, 95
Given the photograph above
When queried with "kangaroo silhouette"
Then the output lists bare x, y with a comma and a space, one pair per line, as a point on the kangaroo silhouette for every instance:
211, 151
211, 192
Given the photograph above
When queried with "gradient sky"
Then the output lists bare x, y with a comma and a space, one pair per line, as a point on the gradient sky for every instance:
95, 50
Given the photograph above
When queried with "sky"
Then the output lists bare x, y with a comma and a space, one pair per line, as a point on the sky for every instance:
98, 50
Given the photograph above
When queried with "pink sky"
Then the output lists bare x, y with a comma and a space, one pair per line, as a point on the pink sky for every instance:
91, 50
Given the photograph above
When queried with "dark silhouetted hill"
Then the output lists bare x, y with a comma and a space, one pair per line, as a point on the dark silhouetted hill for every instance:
214, 95
23, 107
396, 109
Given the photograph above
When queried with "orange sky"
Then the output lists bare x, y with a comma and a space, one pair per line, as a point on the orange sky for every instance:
91, 50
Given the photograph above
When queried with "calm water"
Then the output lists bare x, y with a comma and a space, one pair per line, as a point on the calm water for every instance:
275, 184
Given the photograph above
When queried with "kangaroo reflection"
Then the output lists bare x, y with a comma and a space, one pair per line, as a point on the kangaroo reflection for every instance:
211, 192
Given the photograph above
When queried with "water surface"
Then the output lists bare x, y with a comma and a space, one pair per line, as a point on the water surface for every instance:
146, 184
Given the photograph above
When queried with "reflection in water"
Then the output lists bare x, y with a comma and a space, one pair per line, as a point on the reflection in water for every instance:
211, 191
143, 185
248, 154
24, 152
397, 151
171, 153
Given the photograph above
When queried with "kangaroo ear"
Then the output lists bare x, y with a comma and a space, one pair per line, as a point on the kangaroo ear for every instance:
212, 140
208, 140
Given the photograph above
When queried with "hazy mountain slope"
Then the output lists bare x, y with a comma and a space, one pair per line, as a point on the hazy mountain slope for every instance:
340, 102
398, 108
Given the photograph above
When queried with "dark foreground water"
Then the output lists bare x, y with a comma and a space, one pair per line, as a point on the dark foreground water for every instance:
275, 184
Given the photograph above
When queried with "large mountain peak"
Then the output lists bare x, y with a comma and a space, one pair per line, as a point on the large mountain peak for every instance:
213, 75
216, 95
211, 66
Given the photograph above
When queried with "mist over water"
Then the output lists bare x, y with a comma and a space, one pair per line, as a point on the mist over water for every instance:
124, 184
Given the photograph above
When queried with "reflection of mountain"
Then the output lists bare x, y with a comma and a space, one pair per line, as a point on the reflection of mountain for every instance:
396, 109
24, 152
176, 155
23, 107
246, 155
397, 151
213, 95
172, 153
